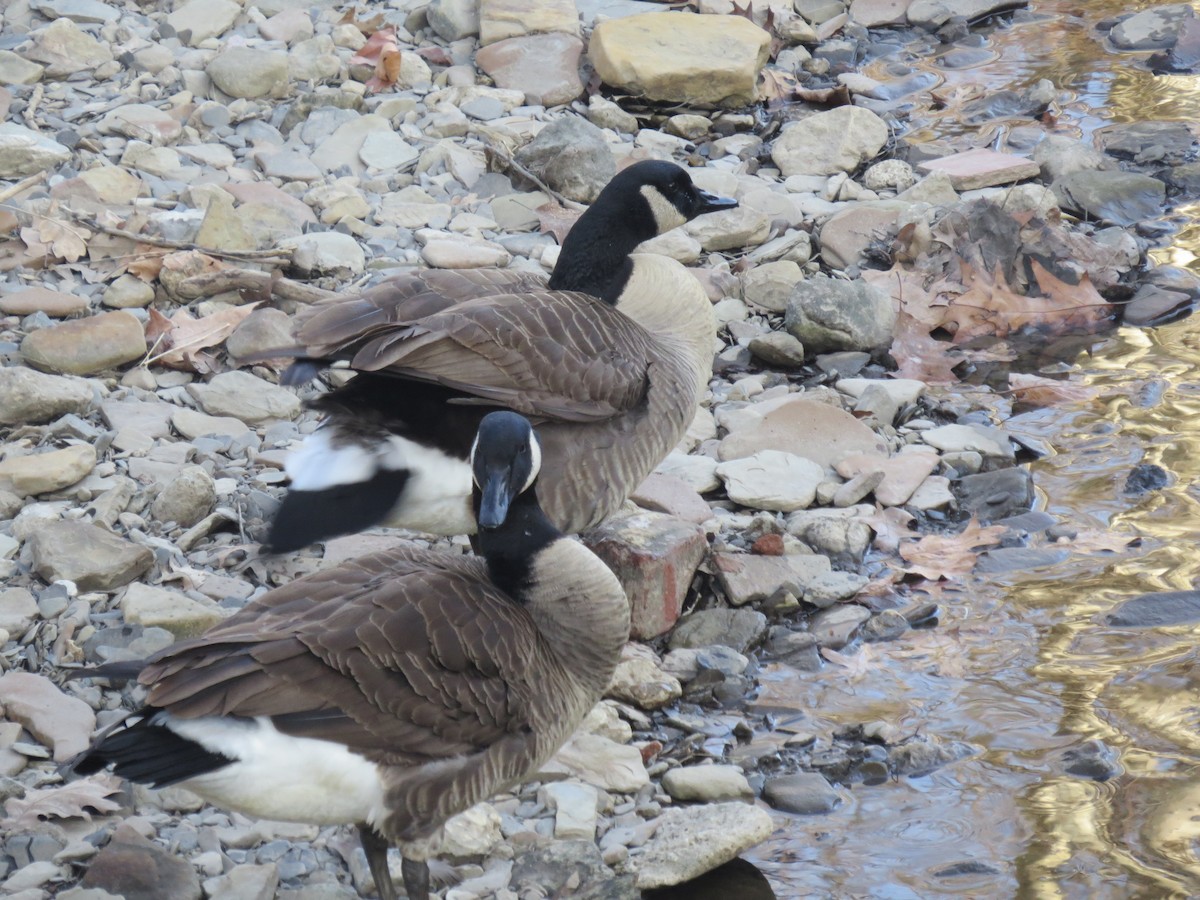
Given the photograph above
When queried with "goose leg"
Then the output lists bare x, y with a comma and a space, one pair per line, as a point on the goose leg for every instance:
376, 849
416, 878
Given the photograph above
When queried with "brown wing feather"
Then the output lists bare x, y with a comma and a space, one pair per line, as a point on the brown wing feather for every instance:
340, 322
555, 354
410, 655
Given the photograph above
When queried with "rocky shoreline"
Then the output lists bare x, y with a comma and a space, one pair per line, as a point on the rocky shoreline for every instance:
177, 182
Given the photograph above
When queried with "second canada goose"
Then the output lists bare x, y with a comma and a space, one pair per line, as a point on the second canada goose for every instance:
392, 691
609, 360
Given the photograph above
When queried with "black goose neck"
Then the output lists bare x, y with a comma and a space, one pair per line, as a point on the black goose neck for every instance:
511, 550
595, 253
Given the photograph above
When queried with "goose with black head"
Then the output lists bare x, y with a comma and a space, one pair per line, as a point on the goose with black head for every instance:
392, 691
609, 360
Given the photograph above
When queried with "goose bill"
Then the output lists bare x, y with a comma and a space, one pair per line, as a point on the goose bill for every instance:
707, 202
496, 495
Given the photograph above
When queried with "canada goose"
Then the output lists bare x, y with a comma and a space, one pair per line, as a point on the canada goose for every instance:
395, 690
611, 383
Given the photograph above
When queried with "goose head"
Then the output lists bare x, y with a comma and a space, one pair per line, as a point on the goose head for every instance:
642, 201
505, 460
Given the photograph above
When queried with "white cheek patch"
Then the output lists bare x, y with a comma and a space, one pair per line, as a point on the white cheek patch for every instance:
666, 216
535, 451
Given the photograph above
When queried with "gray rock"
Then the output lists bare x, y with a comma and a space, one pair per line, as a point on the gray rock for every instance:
26, 152
454, 20
1151, 29
154, 607
66, 49
1123, 198
600, 762
260, 332
127, 292
1093, 759
834, 314
198, 20
655, 557
569, 868
138, 869
688, 842
885, 625
84, 12
18, 610
1155, 610
15, 69
185, 499
706, 784
42, 473
838, 140
772, 480
249, 73
29, 398
246, 397
95, 559
748, 578
58, 720
770, 285
1167, 141
890, 175
1059, 156
738, 629
996, 495
640, 682
849, 233
837, 626
572, 157
326, 253
605, 114
806, 793
778, 349
574, 807
245, 882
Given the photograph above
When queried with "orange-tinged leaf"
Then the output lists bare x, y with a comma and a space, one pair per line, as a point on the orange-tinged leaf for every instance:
1037, 391
556, 220
950, 556
147, 266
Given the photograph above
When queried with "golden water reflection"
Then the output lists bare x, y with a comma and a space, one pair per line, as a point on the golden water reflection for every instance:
1023, 665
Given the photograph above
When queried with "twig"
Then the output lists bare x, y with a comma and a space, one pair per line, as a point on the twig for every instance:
210, 283
21, 186
509, 161
263, 256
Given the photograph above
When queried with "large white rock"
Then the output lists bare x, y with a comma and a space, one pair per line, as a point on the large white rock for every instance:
690, 841
772, 479
25, 152
838, 140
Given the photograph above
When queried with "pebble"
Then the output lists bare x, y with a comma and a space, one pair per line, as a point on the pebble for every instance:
42, 473
707, 784
86, 346
31, 397
806, 793
247, 397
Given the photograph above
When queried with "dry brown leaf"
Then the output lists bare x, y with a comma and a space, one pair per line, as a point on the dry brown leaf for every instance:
179, 346
382, 52
1101, 542
148, 265
1034, 390
366, 26
890, 525
77, 798
830, 96
920, 356
556, 219
989, 307
8, 222
776, 84
938, 556
856, 665
54, 237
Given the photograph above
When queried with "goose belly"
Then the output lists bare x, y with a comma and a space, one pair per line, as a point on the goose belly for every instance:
436, 496
277, 776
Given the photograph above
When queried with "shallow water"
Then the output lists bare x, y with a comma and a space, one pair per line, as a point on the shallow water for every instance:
1022, 666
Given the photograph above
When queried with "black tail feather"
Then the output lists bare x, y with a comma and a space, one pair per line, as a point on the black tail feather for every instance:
305, 517
149, 754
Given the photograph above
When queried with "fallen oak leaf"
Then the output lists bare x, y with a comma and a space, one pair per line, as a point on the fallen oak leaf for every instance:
179, 347
1094, 541
556, 219
382, 52
75, 799
1037, 391
938, 556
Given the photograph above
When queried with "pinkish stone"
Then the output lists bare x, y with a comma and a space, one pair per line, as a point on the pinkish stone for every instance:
654, 556
981, 168
40, 299
809, 428
58, 720
544, 66
902, 473
673, 496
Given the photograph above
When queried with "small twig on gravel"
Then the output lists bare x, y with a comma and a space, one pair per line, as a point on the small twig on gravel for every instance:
21, 186
211, 283
262, 256
510, 162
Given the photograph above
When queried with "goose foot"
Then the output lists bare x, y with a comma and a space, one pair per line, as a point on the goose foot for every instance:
416, 878
376, 849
